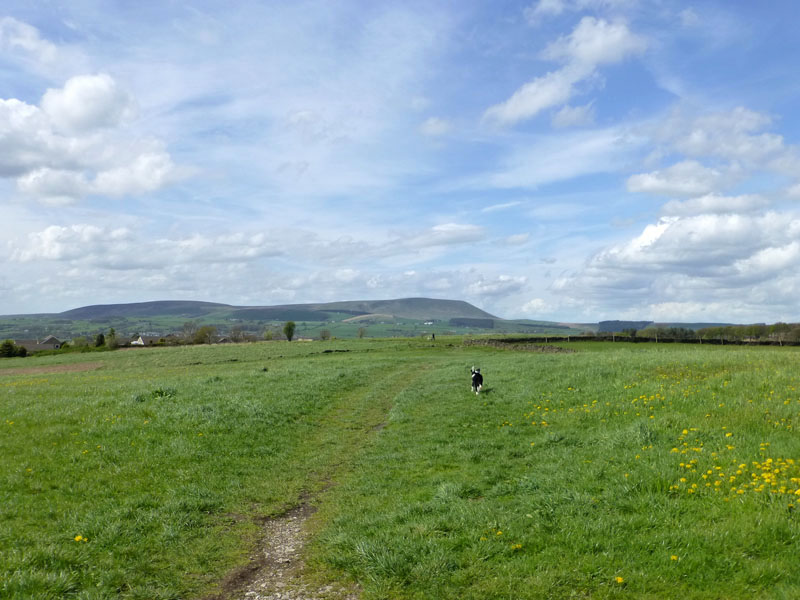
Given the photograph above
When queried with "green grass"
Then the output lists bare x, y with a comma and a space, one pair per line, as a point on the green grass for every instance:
569, 471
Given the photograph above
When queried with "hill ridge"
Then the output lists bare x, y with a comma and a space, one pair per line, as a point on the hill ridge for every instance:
413, 308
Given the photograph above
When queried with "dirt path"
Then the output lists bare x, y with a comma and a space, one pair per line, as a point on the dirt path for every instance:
70, 368
276, 568
276, 571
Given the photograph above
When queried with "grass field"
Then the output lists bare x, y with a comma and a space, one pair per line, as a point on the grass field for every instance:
615, 471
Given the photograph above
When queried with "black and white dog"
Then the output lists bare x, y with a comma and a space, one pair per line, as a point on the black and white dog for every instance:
477, 380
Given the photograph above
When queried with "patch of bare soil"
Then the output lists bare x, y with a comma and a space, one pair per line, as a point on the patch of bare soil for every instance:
525, 347
71, 368
275, 571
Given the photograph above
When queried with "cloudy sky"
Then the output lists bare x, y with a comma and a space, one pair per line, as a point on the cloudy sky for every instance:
571, 160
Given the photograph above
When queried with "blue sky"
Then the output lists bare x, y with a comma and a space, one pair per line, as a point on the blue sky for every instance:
567, 160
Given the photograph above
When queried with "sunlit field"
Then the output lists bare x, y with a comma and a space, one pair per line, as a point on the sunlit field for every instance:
616, 470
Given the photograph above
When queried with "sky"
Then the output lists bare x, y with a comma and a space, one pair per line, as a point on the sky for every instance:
560, 160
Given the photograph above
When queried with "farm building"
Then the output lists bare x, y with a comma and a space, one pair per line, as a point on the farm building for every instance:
48, 343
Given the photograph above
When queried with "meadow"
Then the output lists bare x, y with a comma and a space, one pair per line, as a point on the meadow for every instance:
612, 471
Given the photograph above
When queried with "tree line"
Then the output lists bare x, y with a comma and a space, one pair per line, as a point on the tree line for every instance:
760, 332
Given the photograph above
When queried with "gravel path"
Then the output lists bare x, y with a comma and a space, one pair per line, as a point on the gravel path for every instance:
277, 570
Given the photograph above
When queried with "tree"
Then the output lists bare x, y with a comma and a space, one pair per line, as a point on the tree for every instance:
325, 334
205, 335
288, 330
189, 330
237, 333
99, 340
9, 349
79, 342
269, 335
111, 340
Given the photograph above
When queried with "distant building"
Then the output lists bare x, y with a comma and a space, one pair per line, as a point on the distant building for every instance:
49, 343
147, 340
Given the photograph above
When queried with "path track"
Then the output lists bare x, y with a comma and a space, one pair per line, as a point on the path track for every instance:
276, 568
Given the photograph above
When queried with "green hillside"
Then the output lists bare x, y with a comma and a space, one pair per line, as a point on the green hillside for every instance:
402, 317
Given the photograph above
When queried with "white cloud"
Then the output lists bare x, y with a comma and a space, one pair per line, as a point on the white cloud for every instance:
445, 234
573, 116
596, 42
735, 135
715, 204
542, 9
770, 262
86, 103
742, 262
16, 36
501, 285
592, 43
68, 243
502, 206
54, 186
686, 178
794, 191
561, 157
537, 306
147, 171
121, 249
73, 146
551, 89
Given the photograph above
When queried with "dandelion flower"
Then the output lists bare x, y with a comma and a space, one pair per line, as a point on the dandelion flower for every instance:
619, 579
673, 557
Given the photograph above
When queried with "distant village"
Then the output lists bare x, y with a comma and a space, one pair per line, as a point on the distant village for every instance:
201, 335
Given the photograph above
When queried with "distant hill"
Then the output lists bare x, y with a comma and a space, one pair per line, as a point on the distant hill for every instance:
612, 326
375, 318
409, 308
178, 308
617, 326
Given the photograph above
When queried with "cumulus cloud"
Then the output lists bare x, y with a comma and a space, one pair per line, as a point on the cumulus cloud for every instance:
593, 42
73, 144
148, 170
735, 135
744, 261
58, 186
686, 178
501, 285
87, 102
537, 306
